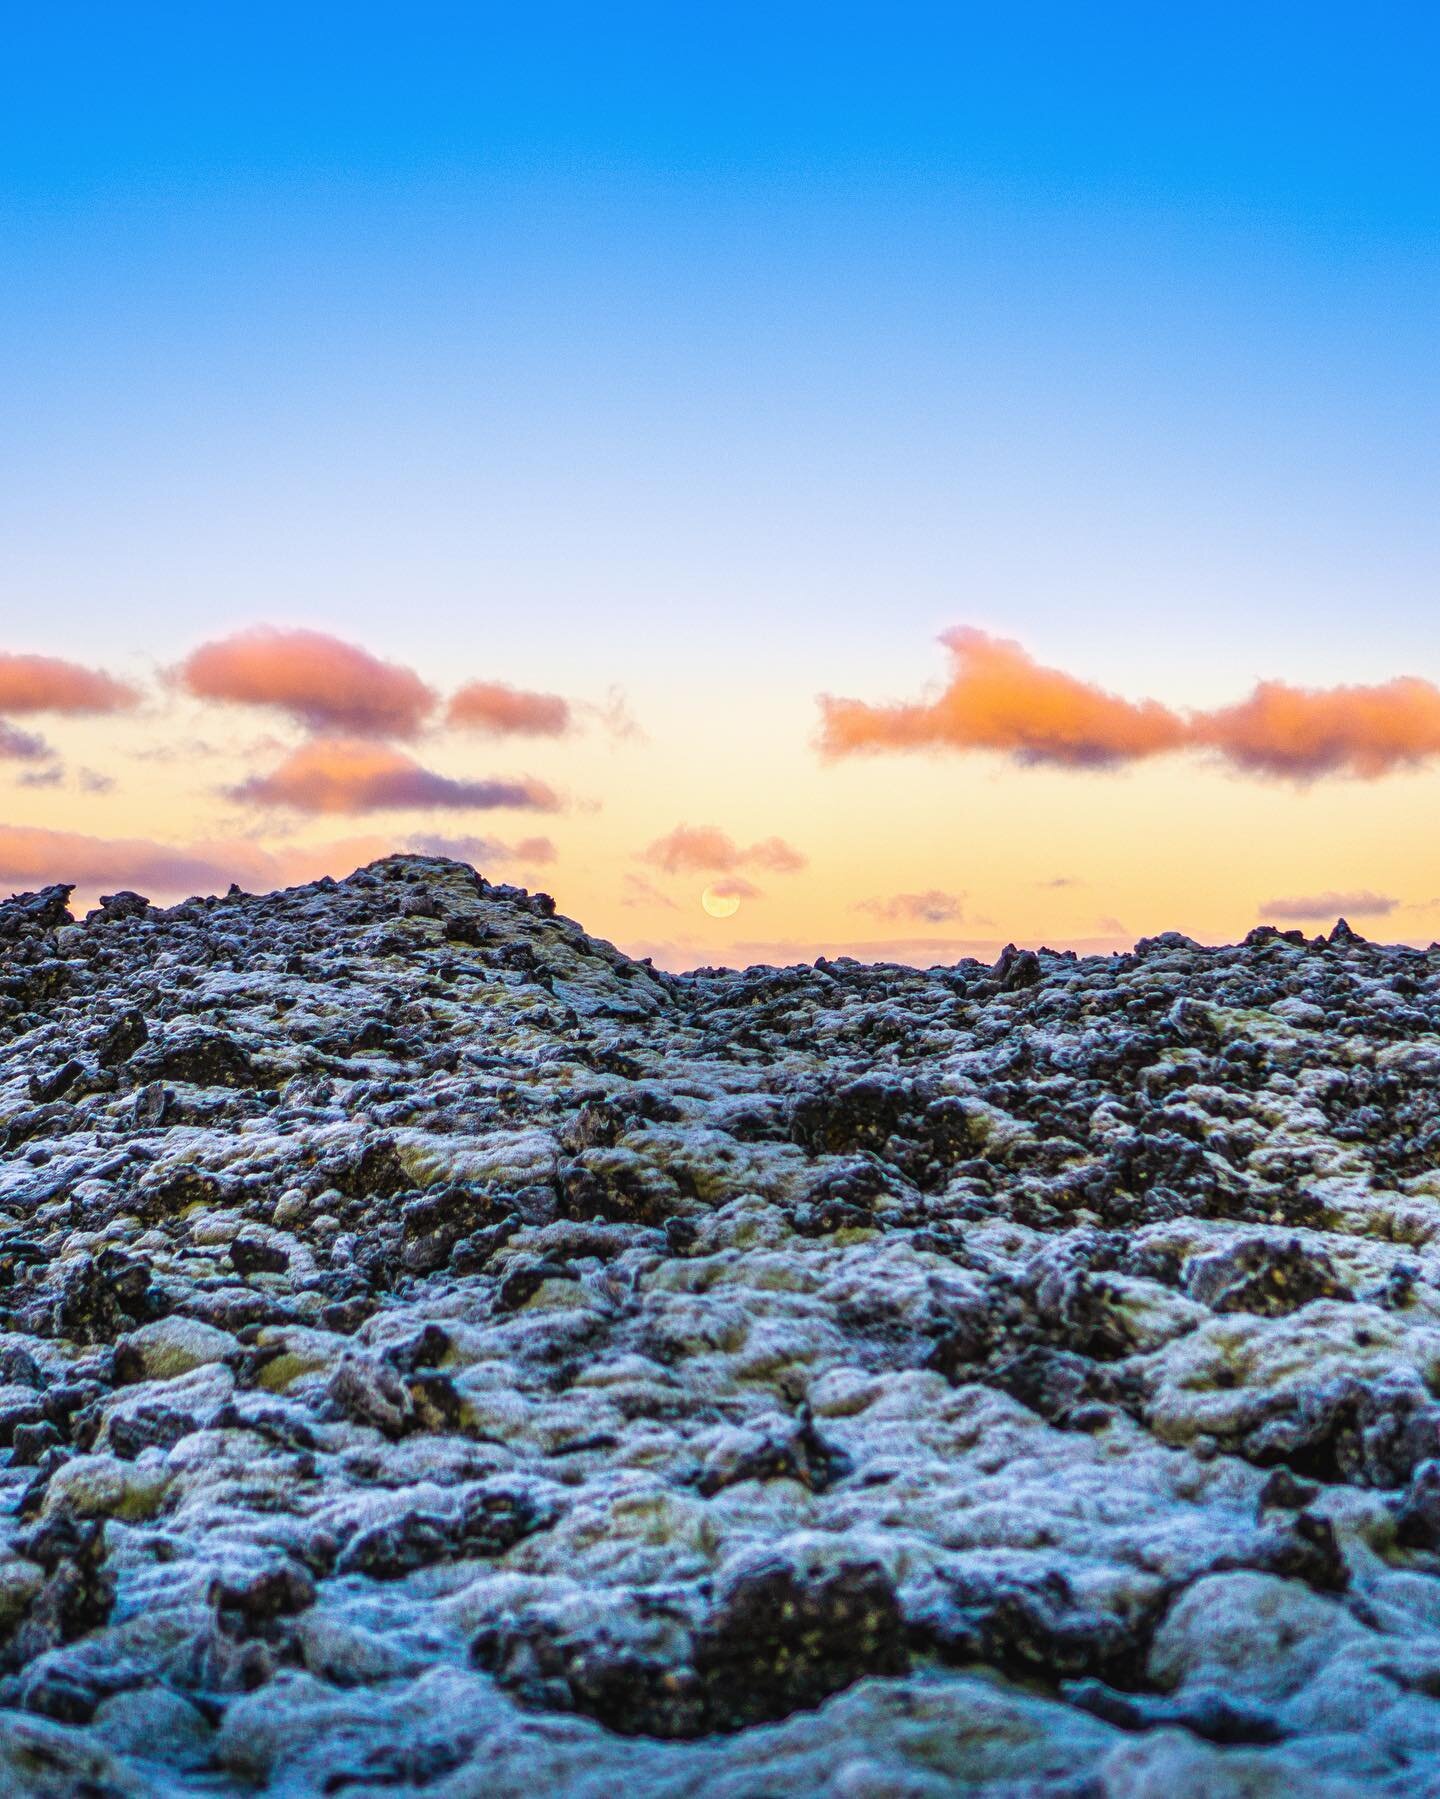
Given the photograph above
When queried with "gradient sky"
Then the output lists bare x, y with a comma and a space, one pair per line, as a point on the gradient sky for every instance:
716, 359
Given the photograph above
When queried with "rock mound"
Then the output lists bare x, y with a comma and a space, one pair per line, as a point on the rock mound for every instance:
440, 1354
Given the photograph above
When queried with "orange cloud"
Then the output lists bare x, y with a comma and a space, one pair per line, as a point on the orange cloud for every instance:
342, 776
999, 698
319, 680
696, 849
502, 711
1304, 732
47, 684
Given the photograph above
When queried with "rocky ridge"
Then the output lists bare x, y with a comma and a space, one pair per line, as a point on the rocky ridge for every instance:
440, 1355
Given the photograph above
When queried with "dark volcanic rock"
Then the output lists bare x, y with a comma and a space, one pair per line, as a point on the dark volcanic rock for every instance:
439, 1354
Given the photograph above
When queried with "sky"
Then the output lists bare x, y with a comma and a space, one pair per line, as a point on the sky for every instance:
927, 476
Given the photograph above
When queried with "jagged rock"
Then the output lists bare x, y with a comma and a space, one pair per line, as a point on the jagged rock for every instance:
439, 1352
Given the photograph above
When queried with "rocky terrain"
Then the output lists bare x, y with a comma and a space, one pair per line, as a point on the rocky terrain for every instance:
439, 1355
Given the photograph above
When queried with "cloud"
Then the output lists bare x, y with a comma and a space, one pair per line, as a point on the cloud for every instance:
775, 854
322, 682
47, 684
735, 887
501, 711
22, 746
613, 715
679, 954
33, 854
340, 776
41, 777
931, 907
706, 849
1303, 732
640, 891
478, 850
1327, 906
1058, 881
1000, 699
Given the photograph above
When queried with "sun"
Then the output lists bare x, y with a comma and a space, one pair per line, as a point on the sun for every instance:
719, 905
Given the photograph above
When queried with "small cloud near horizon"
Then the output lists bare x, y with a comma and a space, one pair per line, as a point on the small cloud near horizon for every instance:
637, 890
735, 887
680, 954
36, 855
930, 907
706, 849
478, 850
1327, 906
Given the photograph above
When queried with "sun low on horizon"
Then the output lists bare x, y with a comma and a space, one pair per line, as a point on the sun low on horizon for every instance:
782, 493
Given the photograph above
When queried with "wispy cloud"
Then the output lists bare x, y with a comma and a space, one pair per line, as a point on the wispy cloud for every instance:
638, 890
480, 852
344, 776
1362, 903
22, 746
33, 855
735, 887
318, 680
613, 715
500, 711
930, 907
681, 953
998, 698
706, 849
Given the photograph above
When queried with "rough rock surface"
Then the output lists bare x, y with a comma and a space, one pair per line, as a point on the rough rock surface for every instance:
439, 1355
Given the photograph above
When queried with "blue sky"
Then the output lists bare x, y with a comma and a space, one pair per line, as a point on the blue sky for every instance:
731, 353
1057, 316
